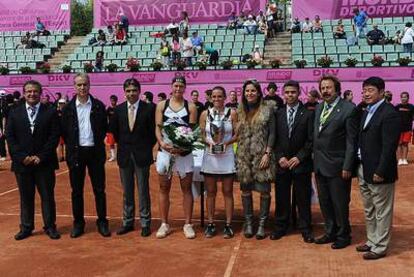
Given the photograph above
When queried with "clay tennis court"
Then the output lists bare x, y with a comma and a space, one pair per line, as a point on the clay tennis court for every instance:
132, 255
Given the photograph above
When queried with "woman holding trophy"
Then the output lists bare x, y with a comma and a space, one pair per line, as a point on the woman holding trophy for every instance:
218, 129
256, 166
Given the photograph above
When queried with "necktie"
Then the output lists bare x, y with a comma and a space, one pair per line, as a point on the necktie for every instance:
290, 120
32, 111
325, 113
131, 117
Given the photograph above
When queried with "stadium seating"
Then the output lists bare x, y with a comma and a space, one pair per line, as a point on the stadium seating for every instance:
311, 47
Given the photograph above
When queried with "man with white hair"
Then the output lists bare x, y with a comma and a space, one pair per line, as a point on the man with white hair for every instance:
250, 25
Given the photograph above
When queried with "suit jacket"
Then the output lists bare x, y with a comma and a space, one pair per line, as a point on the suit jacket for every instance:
42, 142
70, 130
378, 143
335, 144
140, 140
300, 142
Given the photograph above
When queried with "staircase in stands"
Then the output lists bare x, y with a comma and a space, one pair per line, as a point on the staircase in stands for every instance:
279, 47
61, 56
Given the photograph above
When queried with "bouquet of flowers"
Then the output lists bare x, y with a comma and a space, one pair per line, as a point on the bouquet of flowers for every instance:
183, 138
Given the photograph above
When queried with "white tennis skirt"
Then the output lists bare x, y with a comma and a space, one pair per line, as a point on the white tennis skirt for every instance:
181, 166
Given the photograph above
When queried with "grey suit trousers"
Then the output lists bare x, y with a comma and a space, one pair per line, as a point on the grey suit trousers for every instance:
141, 175
378, 200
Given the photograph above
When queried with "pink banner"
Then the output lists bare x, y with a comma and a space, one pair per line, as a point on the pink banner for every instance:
398, 79
21, 15
157, 12
335, 9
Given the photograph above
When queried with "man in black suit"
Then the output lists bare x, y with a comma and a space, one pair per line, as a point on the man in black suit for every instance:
334, 148
84, 125
378, 141
293, 150
133, 127
32, 135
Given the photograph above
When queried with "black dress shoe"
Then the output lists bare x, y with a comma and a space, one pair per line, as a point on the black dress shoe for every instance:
145, 231
308, 237
339, 244
373, 256
124, 230
363, 248
276, 235
22, 235
103, 229
324, 240
52, 233
76, 232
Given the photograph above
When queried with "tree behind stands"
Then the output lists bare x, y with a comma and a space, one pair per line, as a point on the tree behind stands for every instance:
82, 17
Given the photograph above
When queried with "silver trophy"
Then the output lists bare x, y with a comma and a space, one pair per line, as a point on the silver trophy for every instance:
217, 134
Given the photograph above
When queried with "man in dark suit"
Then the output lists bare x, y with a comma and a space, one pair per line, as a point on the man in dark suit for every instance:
334, 148
84, 125
32, 135
133, 126
378, 141
293, 150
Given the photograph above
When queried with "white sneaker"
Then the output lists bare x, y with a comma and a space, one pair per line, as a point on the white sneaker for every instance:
2, 159
405, 162
111, 159
189, 231
400, 162
163, 231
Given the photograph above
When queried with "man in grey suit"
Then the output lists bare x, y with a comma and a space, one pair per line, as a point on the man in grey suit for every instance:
334, 147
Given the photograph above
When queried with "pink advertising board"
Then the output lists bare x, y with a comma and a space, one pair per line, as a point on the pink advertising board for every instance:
335, 9
398, 79
21, 15
162, 12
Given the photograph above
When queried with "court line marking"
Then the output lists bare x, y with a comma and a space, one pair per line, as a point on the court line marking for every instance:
15, 189
233, 257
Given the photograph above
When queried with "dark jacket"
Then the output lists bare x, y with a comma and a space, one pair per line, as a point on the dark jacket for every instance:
335, 144
70, 130
378, 143
42, 142
300, 142
140, 141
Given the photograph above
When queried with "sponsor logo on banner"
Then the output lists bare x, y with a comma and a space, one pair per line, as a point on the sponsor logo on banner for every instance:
19, 80
279, 75
321, 72
63, 79
145, 77
188, 75
412, 73
374, 8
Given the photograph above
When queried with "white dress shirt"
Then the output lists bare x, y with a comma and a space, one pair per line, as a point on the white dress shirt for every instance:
32, 118
84, 123
295, 108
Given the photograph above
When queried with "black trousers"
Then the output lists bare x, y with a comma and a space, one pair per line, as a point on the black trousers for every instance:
3, 152
303, 190
44, 180
96, 172
334, 197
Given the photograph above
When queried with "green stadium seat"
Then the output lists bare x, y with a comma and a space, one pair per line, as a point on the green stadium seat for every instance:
342, 49
392, 57
297, 51
308, 51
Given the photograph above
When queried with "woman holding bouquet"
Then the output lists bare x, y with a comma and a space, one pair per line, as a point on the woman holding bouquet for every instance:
176, 112
218, 128
255, 164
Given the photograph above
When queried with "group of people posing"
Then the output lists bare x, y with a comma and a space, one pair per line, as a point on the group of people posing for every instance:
281, 145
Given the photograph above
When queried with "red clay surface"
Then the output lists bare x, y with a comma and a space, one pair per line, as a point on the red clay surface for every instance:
132, 255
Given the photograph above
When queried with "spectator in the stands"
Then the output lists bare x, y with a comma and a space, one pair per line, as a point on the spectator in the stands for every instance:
313, 100
211, 55
101, 39
250, 25
162, 96
240, 20
120, 35
40, 28
184, 23
25, 41
110, 35
295, 26
187, 49
375, 36
407, 39
271, 18
348, 95
232, 22
172, 28
165, 50
360, 23
124, 23
176, 49
260, 17
317, 24
339, 32
262, 27
233, 104
197, 42
272, 96
257, 55
397, 37
99, 61
307, 26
